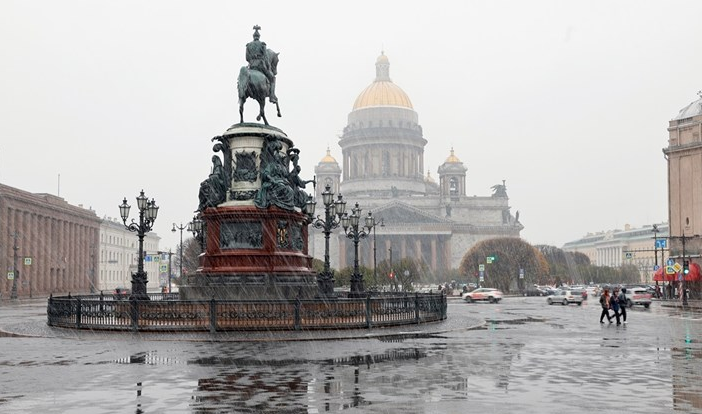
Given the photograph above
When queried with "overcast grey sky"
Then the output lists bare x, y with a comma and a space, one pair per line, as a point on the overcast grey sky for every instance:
568, 101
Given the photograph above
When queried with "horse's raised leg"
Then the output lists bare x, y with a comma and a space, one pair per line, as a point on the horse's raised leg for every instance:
277, 107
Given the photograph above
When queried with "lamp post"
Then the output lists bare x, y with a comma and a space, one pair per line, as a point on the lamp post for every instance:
333, 211
15, 271
198, 229
148, 210
375, 259
356, 233
181, 228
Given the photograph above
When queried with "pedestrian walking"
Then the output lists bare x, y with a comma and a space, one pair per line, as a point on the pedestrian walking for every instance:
604, 302
614, 305
623, 301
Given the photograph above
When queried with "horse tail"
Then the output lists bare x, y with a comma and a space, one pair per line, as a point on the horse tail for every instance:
243, 82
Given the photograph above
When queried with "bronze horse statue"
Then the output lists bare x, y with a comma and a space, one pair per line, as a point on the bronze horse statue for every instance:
254, 84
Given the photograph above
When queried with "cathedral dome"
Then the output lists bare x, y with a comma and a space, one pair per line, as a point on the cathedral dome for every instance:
382, 92
328, 159
452, 159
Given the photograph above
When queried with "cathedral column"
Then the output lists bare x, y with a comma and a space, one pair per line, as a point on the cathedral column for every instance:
418, 248
403, 248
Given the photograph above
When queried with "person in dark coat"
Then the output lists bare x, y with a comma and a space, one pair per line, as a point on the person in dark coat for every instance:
614, 305
604, 302
622, 304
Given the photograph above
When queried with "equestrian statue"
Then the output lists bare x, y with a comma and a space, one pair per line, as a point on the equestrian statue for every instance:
257, 80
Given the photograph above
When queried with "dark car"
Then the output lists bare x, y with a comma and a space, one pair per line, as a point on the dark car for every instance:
121, 293
534, 292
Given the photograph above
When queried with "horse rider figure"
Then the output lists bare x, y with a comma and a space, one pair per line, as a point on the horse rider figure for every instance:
256, 55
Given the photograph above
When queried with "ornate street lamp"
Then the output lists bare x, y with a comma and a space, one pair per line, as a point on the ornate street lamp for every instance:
333, 211
197, 227
353, 232
148, 210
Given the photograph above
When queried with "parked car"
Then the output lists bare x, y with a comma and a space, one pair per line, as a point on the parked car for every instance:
638, 296
566, 297
533, 291
485, 294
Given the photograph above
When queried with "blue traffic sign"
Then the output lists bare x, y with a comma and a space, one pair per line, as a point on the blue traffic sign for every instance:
670, 262
656, 267
661, 243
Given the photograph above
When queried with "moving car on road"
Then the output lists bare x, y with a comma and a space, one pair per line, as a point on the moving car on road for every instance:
566, 297
638, 296
483, 294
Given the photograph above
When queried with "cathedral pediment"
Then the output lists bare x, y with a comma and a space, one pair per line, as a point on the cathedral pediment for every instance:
397, 212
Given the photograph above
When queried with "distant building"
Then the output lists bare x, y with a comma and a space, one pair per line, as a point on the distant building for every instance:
383, 169
55, 244
631, 246
684, 155
119, 253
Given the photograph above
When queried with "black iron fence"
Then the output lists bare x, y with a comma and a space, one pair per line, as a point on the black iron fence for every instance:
166, 313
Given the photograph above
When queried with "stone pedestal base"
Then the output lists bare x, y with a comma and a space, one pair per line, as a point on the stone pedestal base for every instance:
248, 287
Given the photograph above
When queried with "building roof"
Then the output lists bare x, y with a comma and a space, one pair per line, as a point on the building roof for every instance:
693, 109
382, 92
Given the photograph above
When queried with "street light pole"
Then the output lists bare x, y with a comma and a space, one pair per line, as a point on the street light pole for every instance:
375, 274
148, 210
181, 228
333, 212
356, 233
15, 271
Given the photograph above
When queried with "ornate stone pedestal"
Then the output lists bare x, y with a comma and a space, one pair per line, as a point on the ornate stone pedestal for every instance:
256, 240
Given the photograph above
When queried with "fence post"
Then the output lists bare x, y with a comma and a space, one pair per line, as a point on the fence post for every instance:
102, 298
369, 311
79, 313
135, 313
213, 315
298, 320
416, 307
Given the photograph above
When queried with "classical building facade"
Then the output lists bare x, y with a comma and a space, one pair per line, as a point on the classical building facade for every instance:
119, 254
382, 169
49, 242
631, 246
684, 155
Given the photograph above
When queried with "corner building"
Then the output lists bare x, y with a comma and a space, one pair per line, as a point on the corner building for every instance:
383, 170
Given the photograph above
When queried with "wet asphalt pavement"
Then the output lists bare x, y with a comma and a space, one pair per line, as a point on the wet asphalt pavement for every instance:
518, 356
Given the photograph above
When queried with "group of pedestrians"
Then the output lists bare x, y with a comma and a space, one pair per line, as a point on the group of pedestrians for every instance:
617, 302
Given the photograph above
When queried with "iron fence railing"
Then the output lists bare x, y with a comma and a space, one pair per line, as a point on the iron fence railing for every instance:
165, 312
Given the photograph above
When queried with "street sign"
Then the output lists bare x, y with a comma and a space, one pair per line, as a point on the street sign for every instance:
482, 275
670, 262
669, 270
656, 267
491, 259
629, 255
10, 275
661, 243
481, 267
521, 273
27, 261
677, 267
163, 268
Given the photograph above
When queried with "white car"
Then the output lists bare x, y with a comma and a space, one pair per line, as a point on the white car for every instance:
565, 297
484, 294
638, 296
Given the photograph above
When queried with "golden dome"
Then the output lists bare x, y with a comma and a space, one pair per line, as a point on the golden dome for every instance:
452, 159
382, 92
328, 159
